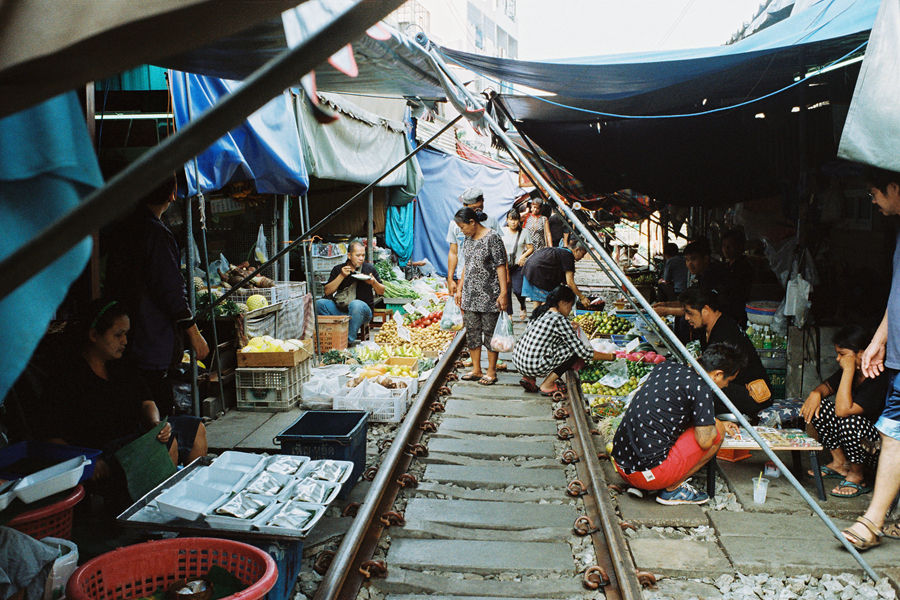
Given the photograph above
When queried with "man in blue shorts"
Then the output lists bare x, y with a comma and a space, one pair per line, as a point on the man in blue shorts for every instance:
884, 351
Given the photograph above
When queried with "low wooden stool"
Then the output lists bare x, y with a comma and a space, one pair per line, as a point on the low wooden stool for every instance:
383, 315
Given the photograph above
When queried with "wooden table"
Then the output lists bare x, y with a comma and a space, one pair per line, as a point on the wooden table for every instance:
747, 443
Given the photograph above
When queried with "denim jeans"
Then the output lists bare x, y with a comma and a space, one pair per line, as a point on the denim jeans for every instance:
359, 312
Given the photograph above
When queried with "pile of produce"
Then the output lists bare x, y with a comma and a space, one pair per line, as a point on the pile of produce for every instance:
434, 317
593, 371
333, 357
643, 279
385, 271
375, 371
237, 273
600, 323
399, 289
649, 357
267, 343
431, 338
229, 308
605, 390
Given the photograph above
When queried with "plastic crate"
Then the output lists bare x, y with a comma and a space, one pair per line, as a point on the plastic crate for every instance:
282, 291
333, 333
26, 458
324, 264
384, 409
138, 571
273, 389
54, 520
329, 434
778, 389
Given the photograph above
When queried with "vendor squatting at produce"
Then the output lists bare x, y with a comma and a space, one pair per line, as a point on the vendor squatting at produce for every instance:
550, 267
551, 346
348, 291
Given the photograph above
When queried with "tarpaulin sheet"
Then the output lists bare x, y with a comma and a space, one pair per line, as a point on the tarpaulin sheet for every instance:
359, 147
872, 131
446, 178
48, 164
264, 149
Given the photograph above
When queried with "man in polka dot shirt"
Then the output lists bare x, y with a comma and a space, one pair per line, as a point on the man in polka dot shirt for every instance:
669, 431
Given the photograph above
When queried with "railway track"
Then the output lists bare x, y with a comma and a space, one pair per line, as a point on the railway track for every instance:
485, 492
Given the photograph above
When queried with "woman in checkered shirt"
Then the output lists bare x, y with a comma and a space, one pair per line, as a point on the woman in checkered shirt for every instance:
551, 346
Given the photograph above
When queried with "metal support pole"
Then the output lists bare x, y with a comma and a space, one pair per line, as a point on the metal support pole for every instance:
118, 197
212, 316
589, 237
370, 247
286, 236
308, 271
192, 295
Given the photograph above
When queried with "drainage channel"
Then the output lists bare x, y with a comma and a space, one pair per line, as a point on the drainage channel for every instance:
488, 509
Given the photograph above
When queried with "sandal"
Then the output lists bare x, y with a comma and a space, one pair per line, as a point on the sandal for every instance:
487, 380
858, 489
530, 384
827, 473
558, 388
471, 377
501, 366
859, 542
892, 531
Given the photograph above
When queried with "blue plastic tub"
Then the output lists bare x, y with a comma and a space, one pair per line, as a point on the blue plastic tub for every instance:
329, 434
34, 456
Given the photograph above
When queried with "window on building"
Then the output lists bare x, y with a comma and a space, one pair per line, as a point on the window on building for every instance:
512, 48
511, 9
502, 43
476, 22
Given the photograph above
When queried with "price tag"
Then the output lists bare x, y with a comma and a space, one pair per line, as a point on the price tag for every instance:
422, 311
630, 346
398, 318
409, 307
403, 332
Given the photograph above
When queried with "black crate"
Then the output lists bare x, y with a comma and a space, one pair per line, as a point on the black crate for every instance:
329, 434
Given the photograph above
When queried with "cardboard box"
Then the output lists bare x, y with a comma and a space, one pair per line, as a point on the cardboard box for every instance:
333, 332
403, 361
276, 359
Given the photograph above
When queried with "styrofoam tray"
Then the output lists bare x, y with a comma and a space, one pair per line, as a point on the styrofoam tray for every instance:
311, 465
222, 480
50, 481
233, 523
270, 512
335, 490
284, 480
299, 461
245, 462
188, 500
7, 496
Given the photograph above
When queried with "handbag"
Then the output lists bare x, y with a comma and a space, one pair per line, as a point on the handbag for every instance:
759, 391
344, 296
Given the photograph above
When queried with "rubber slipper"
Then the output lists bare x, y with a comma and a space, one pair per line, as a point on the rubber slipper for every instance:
859, 542
487, 380
470, 377
501, 366
860, 489
559, 387
467, 362
530, 385
892, 531
827, 473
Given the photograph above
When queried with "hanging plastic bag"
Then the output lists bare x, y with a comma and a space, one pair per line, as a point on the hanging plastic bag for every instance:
260, 252
452, 319
427, 269
216, 268
503, 339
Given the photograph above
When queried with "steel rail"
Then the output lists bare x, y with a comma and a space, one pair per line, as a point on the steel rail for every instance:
623, 581
592, 241
342, 578
123, 192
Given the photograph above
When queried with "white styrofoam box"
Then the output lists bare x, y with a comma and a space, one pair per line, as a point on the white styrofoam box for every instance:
224, 480
313, 464
233, 523
262, 524
334, 487
51, 480
188, 500
245, 462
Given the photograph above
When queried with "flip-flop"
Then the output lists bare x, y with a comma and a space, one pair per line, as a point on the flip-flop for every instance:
487, 380
861, 543
860, 489
470, 377
529, 385
501, 366
892, 531
827, 473
558, 388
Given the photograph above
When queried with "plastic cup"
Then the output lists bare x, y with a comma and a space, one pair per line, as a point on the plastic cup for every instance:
760, 487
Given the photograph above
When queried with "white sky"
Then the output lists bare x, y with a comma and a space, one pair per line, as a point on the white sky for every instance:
553, 29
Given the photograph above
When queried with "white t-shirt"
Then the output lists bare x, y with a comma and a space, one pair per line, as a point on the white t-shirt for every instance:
456, 236
509, 241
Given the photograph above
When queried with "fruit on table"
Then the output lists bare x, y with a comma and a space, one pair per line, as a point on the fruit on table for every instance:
257, 301
267, 343
431, 337
601, 323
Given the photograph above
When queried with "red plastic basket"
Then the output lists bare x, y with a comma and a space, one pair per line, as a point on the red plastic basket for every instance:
54, 520
137, 571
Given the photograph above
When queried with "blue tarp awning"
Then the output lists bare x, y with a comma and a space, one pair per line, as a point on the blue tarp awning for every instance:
265, 148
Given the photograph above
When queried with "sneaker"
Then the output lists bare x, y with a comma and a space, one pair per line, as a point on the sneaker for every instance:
684, 494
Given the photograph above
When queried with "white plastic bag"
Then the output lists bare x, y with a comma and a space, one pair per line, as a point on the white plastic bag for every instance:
260, 251
503, 339
616, 374
318, 393
427, 269
216, 268
452, 319
62, 568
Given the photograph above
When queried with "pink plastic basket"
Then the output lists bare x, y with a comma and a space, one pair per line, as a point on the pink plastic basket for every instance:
137, 571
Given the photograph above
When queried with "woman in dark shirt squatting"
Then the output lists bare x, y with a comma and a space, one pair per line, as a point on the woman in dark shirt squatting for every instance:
703, 310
